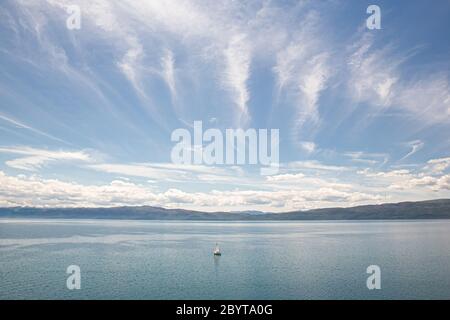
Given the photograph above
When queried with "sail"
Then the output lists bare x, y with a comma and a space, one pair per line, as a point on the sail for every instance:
217, 249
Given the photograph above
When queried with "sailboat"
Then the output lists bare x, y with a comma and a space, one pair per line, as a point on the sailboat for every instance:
217, 250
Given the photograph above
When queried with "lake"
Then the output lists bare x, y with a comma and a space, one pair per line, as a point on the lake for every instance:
260, 260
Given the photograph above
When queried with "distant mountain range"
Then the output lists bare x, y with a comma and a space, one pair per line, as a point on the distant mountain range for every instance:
433, 209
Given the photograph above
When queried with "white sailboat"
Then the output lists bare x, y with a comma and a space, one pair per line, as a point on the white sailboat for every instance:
217, 250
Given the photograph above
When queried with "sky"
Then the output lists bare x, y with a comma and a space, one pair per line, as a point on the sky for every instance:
86, 115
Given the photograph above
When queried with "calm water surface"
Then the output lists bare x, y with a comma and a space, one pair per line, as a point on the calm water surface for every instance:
261, 260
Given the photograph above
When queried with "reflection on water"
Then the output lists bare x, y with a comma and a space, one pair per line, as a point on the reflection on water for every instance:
216, 263
172, 260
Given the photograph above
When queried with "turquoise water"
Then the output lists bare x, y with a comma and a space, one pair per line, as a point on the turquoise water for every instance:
260, 260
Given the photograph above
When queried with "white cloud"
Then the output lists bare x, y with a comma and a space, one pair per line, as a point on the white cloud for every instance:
311, 84
303, 72
168, 72
385, 174
137, 170
36, 191
308, 146
302, 182
430, 176
373, 77
21, 125
169, 172
237, 73
415, 146
34, 159
203, 27
286, 177
301, 185
427, 98
376, 78
315, 165
436, 184
130, 66
368, 158
437, 166
39, 192
110, 23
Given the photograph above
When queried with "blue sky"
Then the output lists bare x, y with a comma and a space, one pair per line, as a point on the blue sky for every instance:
86, 115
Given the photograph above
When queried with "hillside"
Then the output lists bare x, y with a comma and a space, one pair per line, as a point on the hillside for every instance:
433, 209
